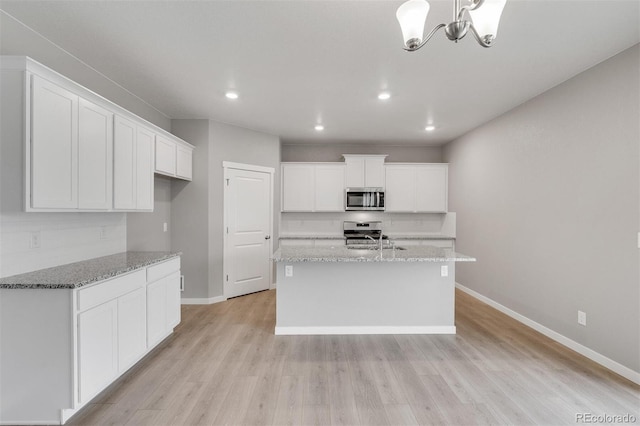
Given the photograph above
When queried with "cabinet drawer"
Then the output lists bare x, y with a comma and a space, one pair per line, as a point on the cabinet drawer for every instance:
110, 289
163, 269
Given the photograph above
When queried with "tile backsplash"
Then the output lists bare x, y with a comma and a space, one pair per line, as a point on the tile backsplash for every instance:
31, 241
394, 224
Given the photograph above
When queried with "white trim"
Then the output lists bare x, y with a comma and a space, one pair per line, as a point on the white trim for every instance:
250, 167
436, 329
202, 300
24, 422
273, 285
612, 365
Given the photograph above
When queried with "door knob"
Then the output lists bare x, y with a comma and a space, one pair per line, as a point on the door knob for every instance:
268, 237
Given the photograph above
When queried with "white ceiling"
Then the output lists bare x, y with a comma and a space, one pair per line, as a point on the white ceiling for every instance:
295, 63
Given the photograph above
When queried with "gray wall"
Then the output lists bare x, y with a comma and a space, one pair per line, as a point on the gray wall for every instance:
190, 211
197, 213
547, 198
230, 143
145, 231
334, 151
17, 39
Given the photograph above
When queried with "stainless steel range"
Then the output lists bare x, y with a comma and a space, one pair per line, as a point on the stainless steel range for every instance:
363, 233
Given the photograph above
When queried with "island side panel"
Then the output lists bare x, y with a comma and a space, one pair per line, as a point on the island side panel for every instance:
35, 355
365, 298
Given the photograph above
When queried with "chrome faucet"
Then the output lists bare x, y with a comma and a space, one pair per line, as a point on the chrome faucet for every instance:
379, 241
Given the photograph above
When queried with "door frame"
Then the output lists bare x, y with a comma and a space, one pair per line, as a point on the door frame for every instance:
229, 165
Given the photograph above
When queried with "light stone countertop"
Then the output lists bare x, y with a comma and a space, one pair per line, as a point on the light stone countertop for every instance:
78, 274
391, 237
311, 237
344, 254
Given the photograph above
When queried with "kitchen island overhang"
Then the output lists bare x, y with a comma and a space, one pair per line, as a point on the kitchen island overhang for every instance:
337, 290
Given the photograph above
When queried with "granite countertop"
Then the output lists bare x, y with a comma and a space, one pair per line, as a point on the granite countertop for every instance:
311, 237
421, 237
78, 274
344, 254
391, 237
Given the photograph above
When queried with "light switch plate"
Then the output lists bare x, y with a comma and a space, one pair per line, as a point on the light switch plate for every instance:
34, 240
582, 318
165, 227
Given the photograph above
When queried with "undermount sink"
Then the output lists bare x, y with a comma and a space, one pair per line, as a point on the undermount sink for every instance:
372, 247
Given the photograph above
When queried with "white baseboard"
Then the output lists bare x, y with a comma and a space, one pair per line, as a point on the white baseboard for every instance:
284, 331
202, 300
612, 365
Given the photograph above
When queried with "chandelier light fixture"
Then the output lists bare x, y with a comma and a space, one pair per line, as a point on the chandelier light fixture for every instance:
484, 17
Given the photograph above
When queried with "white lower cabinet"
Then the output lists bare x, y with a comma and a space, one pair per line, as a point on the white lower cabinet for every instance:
97, 348
73, 343
132, 328
163, 307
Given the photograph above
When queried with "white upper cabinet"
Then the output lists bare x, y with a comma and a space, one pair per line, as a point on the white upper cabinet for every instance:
173, 159
329, 187
165, 156
432, 188
364, 170
95, 156
184, 162
54, 146
297, 187
145, 146
311, 187
124, 165
81, 151
132, 166
416, 188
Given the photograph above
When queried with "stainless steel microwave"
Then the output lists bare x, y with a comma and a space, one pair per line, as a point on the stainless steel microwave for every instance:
364, 199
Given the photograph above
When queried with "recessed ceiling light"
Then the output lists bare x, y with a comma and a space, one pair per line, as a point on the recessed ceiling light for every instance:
319, 127
383, 96
430, 128
231, 95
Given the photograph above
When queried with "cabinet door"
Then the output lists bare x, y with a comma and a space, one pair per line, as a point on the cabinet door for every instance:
132, 327
329, 188
124, 164
354, 172
97, 348
184, 162
297, 187
145, 144
156, 312
400, 188
95, 156
172, 287
165, 156
431, 188
374, 172
54, 146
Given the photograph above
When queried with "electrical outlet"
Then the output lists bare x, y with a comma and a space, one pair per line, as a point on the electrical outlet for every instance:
444, 270
165, 227
34, 240
103, 232
582, 318
288, 270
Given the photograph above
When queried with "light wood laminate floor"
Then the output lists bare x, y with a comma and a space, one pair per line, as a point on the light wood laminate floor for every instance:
224, 365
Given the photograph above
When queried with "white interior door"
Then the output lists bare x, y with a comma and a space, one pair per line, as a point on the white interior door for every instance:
248, 203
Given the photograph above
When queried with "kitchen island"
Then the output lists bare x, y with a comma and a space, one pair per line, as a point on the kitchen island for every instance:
341, 290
